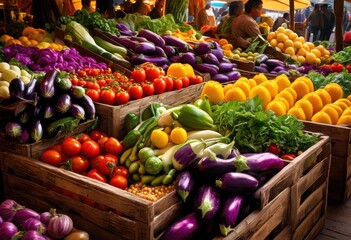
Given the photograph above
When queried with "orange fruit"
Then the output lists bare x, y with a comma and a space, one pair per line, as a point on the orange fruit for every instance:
316, 101
297, 112
287, 95
306, 107
349, 97
292, 92
337, 108
301, 88
345, 119
252, 83
282, 81
344, 100
307, 81
332, 112
347, 111
324, 95
260, 78
342, 105
335, 91
244, 86
235, 93
284, 101
271, 86
262, 94
277, 107
321, 117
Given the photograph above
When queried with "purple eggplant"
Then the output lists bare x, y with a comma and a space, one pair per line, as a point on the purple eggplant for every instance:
207, 202
36, 131
31, 87
125, 42
216, 45
48, 111
274, 63
24, 136
47, 86
282, 72
219, 77
230, 213
137, 59
225, 59
258, 162
145, 48
263, 65
24, 116
77, 91
64, 84
23, 214
261, 59
124, 29
261, 69
160, 52
88, 106
169, 50
176, 42
206, 68
279, 68
225, 67
203, 47
13, 130
63, 103
187, 57
236, 182
185, 185
209, 58
232, 75
77, 111
218, 53
183, 229
174, 59
17, 88
187, 154
138, 39
32, 234
152, 37
218, 166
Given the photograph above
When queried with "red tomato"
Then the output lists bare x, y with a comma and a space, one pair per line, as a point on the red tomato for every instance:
122, 97
107, 71
185, 81
288, 156
148, 89
96, 174
51, 157
135, 91
113, 146
101, 143
108, 96
108, 164
177, 84
89, 201
79, 164
95, 86
74, 81
348, 67
83, 137
138, 75
337, 67
97, 134
82, 73
273, 148
121, 170
94, 72
71, 146
89, 84
169, 83
102, 82
94, 95
195, 79
95, 161
152, 72
159, 85
81, 83
90, 149
119, 181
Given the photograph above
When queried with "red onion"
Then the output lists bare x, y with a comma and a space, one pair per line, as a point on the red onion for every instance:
45, 217
60, 225
33, 235
8, 209
34, 224
9, 203
1, 220
24, 214
7, 231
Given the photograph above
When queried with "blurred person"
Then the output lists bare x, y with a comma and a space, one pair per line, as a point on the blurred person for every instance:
44, 11
314, 23
236, 8
327, 23
86, 5
202, 17
280, 21
105, 7
158, 10
245, 25
299, 16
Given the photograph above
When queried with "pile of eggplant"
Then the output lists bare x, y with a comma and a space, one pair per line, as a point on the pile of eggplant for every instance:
205, 57
263, 64
48, 106
217, 192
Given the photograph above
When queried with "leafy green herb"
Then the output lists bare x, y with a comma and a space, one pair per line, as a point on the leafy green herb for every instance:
253, 129
343, 79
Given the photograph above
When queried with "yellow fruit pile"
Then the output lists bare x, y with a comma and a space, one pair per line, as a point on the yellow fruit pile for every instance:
290, 43
33, 37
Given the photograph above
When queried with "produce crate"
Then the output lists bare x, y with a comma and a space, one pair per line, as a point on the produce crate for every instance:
271, 222
246, 66
112, 117
140, 218
340, 169
251, 74
309, 196
35, 149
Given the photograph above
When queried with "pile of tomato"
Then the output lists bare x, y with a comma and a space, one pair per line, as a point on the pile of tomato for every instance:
115, 88
94, 155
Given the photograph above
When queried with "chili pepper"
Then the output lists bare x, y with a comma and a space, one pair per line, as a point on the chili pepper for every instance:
348, 68
273, 148
131, 121
288, 156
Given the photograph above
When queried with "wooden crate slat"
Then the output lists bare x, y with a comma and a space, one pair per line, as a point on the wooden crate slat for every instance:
285, 234
336, 132
316, 229
348, 189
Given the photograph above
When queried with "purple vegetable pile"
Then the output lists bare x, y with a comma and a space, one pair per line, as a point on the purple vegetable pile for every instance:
219, 193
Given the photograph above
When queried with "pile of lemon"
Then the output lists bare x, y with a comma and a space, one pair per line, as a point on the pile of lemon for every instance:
325, 105
300, 50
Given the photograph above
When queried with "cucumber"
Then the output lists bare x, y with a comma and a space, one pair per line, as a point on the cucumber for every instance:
93, 47
158, 180
110, 47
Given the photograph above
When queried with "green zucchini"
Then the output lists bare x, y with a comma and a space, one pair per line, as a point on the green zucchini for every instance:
93, 47
110, 47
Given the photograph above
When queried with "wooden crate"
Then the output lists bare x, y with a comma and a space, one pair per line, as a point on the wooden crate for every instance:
340, 169
251, 74
309, 197
271, 222
35, 149
112, 117
140, 219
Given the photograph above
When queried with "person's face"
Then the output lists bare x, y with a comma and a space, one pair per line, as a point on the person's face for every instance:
257, 12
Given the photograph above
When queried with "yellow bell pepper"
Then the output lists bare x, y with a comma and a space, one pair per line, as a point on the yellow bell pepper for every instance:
214, 91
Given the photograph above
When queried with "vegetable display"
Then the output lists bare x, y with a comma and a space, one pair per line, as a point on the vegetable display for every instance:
25, 223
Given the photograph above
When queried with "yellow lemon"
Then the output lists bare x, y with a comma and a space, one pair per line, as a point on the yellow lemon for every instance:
301, 51
316, 101
321, 117
235, 93
297, 45
280, 30
301, 88
310, 45
159, 138
277, 107
293, 36
333, 114
290, 51
310, 58
288, 43
281, 37
345, 120
316, 52
281, 46
273, 42
335, 91
306, 107
262, 93
271, 36
324, 95
297, 112
282, 82
301, 59
178, 135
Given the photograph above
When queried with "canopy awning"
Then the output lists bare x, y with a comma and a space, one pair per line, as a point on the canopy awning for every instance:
284, 5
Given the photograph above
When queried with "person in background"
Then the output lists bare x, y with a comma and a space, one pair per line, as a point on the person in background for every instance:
157, 11
44, 11
327, 23
202, 17
245, 25
314, 22
105, 7
299, 16
236, 8
280, 20
86, 5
